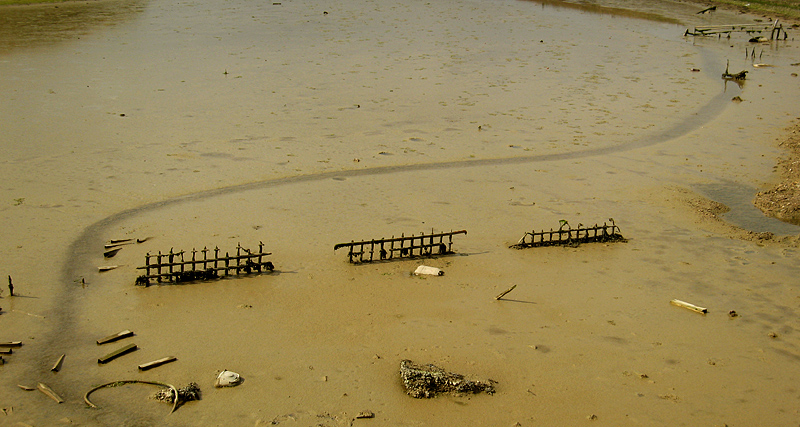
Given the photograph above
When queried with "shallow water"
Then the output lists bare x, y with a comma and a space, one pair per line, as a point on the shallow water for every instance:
206, 123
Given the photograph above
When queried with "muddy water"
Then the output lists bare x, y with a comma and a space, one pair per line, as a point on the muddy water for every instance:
303, 125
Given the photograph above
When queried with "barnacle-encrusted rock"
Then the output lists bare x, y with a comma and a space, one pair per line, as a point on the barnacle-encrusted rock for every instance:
185, 394
428, 380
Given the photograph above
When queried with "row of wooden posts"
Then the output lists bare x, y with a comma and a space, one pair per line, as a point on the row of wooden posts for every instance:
568, 236
400, 247
774, 28
174, 267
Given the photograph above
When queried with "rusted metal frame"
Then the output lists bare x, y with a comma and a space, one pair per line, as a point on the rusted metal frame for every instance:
171, 275
422, 248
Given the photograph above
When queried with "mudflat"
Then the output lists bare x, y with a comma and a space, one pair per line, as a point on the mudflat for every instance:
299, 125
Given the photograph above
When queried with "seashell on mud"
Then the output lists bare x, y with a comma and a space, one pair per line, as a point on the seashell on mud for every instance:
228, 379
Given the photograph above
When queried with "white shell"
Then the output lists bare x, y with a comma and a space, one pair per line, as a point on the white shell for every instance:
424, 269
227, 379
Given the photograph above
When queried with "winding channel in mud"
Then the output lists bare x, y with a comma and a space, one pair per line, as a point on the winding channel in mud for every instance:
77, 263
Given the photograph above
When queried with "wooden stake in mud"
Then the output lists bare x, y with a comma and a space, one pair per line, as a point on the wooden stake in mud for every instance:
115, 354
118, 336
49, 392
10, 287
505, 293
59, 362
684, 304
156, 363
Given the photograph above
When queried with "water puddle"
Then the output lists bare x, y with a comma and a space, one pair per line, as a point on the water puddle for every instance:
739, 198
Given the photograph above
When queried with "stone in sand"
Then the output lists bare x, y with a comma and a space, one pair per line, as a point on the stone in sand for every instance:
428, 380
227, 379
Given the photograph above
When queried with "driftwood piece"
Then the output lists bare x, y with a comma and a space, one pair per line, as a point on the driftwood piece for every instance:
115, 337
26, 387
5, 350
111, 252
49, 392
11, 344
504, 293
59, 362
689, 306
117, 353
428, 380
157, 363
119, 383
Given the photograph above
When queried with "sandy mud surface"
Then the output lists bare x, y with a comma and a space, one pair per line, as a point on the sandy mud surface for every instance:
209, 124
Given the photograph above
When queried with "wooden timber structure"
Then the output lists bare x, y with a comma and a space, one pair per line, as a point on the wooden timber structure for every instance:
568, 236
774, 28
400, 247
173, 267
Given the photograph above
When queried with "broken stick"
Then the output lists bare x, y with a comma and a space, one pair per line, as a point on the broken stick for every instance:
49, 392
689, 306
118, 336
156, 363
11, 344
115, 354
504, 293
59, 362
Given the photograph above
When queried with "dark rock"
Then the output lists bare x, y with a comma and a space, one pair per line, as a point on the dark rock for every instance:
428, 380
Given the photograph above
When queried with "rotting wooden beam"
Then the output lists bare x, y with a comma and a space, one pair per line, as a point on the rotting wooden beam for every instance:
59, 362
156, 363
118, 336
117, 353
684, 304
11, 344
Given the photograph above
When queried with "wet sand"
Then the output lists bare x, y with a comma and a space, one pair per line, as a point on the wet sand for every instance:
204, 124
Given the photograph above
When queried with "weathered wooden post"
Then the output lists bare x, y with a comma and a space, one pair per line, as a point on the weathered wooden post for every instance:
159, 266
371, 249
205, 258
216, 259
350, 251
238, 255
171, 258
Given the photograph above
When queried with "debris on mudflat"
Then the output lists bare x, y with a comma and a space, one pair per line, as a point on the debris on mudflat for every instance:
428, 380
365, 414
400, 247
172, 266
568, 236
157, 363
117, 353
59, 362
684, 304
118, 336
185, 394
741, 75
504, 293
426, 270
228, 379
49, 392
707, 10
